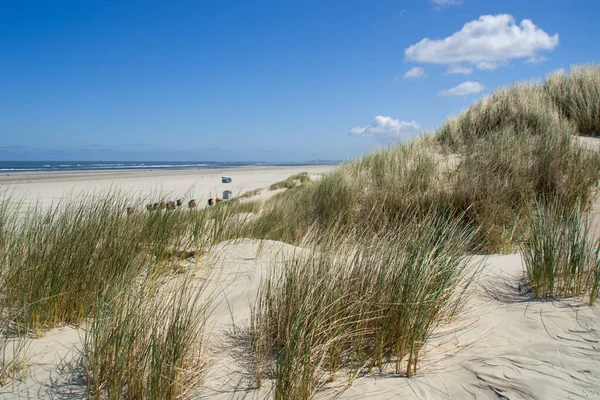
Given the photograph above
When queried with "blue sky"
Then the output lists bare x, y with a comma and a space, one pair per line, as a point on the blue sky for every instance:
278, 80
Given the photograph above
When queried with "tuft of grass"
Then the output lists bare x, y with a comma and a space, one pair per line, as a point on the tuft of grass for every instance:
292, 181
577, 95
491, 183
13, 349
567, 102
525, 108
376, 190
56, 263
250, 193
502, 176
357, 305
148, 342
284, 217
560, 257
236, 206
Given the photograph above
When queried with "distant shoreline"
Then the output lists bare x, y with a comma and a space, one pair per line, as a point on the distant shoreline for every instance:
50, 187
13, 167
85, 175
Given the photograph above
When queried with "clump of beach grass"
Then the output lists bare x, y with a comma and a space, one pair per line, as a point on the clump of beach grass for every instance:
353, 306
376, 190
491, 183
235, 206
87, 263
13, 349
284, 217
561, 258
250, 193
501, 177
292, 181
56, 263
567, 102
148, 342
524, 107
577, 95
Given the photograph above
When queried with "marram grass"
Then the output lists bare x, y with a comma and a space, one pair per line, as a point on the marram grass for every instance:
148, 342
56, 263
577, 95
292, 181
350, 307
561, 258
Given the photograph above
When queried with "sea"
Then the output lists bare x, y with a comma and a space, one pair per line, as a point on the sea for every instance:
7, 167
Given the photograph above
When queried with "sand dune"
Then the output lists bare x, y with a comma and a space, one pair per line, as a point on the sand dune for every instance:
505, 345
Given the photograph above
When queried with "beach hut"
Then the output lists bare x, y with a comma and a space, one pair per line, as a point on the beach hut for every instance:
226, 179
226, 194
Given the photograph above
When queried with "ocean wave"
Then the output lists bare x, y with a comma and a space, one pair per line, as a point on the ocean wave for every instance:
103, 167
108, 166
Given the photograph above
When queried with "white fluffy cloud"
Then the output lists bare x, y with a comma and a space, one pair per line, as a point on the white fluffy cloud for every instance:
485, 43
457, 69
388, 128
415, 72
463, 89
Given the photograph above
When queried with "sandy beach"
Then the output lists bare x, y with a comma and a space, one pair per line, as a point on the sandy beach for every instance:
48, 188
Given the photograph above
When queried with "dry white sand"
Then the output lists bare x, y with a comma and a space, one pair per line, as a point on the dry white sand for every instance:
505, 346
149, 185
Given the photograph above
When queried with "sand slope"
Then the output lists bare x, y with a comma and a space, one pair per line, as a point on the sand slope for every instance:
505, 346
